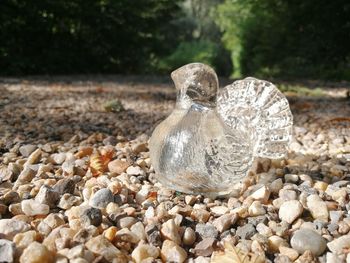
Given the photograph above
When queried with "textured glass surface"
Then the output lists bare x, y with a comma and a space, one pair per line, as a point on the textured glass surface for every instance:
210, 140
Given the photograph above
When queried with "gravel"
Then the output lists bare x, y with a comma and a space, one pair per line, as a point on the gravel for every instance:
76, 183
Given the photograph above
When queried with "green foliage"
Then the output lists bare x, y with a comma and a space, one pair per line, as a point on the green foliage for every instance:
113, 106
84, 36
285, 38
195, 51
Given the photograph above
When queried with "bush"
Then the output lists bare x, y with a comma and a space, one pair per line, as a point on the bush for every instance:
198, 51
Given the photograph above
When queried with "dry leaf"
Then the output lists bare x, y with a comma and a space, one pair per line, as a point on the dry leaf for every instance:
98, 162
231, 254
340, 119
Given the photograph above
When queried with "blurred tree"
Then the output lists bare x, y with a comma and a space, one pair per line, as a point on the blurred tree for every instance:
201, 39
83, 36
303, 38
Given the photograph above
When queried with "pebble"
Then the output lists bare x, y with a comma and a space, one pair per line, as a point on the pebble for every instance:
118, 166
144, 252
224, 222
10, 227
134, 170
200, 215
101, 198
65, 186
189, 236
24, 239
26, 150
48, 196
262, 194
246, 231
171, 252
291, 253
153, 235
91, 216
317, 207
219, 210
338, 245
169, 230
256, 209
205, 248
7, 251
31, 208
35, 253
126, 222
58, 158
102, 246
190, 199
275, 242
290, 211
307, 239
206, 230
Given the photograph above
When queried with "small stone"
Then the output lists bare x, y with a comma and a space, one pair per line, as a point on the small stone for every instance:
219, 210
333, 258
290, 210
65, 186
91, 216
110, 233
307, 239
11, 197
246, 231
264, 230
206, 230
169, 230
335, 216
153, 235
262, 194
118, 166
287, 195
139, 230
320, 185
139, 147
58, 158
67, 201
31, 208
190, 199
291, 178
256, 209
101, 198
276, 186
134, 170
338, 245
35, 253
54, 220
224, 222
200, 215
144, 251
7, 251
142, 195
23, 240
205, 248
101, 246
47, 195
34, 157
127, 236
10, 227
26, 150
275, 242
171, 252
25, 176
317, 207
112, 208
126, 222
189, 236
110, 140
291, 253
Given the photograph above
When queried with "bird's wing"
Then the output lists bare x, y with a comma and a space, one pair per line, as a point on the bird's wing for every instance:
259, 106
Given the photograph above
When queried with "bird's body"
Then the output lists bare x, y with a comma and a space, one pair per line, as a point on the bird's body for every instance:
197, 149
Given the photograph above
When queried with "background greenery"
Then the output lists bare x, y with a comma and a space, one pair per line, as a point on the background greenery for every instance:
274, 38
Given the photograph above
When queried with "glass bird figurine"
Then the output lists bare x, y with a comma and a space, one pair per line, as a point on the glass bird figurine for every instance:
209, 141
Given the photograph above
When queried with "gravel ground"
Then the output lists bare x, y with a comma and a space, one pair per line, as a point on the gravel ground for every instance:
76, 184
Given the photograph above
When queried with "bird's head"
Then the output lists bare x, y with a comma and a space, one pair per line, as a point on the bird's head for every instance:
198, 81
